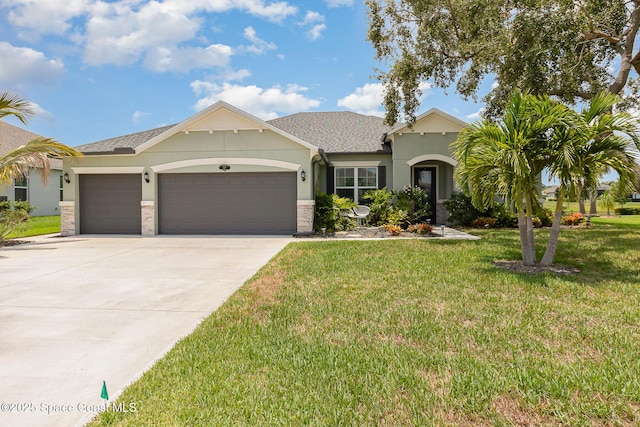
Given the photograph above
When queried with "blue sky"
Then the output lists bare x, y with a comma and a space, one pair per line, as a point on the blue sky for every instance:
98, 69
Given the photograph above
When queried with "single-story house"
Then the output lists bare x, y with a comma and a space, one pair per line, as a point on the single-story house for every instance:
224, 171
550, 193
44, 197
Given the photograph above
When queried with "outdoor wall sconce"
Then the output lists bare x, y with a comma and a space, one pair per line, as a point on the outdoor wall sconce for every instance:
66, 177
146, 176
303, 176
224, 168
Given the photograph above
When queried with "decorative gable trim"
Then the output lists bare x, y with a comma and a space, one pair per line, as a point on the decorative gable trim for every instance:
404, 127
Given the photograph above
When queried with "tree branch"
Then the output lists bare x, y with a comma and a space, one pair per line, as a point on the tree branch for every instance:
627, 59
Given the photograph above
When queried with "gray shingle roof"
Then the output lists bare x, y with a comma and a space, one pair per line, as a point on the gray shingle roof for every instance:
334, 132
132, 140
12, 137
337, 131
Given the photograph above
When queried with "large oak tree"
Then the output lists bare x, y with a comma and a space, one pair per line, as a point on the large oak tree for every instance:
572, 49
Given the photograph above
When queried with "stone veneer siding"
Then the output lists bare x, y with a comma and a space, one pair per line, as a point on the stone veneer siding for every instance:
67, 219
148, 215
306, 210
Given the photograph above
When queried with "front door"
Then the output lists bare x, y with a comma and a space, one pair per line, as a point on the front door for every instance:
425, 178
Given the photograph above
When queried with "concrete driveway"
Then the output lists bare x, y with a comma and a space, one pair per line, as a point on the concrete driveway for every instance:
77, 311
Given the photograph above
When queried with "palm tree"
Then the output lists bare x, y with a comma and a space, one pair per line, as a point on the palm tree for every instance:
608, 201
506, 158
597, 141
34, 154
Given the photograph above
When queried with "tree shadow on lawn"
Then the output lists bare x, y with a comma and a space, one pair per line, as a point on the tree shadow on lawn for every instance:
599, 254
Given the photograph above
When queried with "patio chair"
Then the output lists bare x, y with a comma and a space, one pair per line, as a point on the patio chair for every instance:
360, 213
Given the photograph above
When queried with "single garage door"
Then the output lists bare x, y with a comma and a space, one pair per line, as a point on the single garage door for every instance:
110, 204
227, 203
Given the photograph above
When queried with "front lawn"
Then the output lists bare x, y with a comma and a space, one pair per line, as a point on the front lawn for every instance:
412, 332
37, 225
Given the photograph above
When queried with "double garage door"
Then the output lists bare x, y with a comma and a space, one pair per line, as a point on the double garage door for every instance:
192, 203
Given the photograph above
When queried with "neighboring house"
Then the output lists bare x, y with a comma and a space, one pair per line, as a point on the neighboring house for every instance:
549, 193
224, 171
45, 198
602, 188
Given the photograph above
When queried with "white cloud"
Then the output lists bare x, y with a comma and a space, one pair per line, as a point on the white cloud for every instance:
263, 103
365, 100
312, 17
184, 59
368, 99
316, 21
118, 34
41, 113
125, 32
135, 118
338, 3
259, 46
316, 31
27, 66
44, 17
475, 116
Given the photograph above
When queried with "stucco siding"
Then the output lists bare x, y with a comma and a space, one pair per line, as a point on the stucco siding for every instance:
43, 197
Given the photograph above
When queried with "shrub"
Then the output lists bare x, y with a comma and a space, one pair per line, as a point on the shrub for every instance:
329, 214
484, 222
5, 205
504, 217
392, 229
572, 219
545, 217
23, 206
461, 210
415, 201
537, 223
420, 228
398, 217
380, 202
627, 211
9, 220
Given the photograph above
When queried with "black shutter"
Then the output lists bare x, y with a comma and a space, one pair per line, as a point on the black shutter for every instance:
382, 176
331, 186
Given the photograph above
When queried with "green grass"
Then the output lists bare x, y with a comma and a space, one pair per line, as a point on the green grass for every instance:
412, 332
618, 221
37, 225
573, 206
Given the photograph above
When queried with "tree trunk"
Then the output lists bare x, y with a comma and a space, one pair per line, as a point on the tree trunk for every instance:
552, 244
593, 209
528, 256
583, 211
531, 238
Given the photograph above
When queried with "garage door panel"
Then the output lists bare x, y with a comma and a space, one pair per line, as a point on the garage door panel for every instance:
231, 203
110, 204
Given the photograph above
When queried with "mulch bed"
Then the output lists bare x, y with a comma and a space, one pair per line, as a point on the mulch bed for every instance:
519, 267
368, 233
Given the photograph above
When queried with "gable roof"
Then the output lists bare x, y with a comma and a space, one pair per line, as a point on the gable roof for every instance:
130, 141
432, 112
333, 132
137, 142
336, 132
12, 137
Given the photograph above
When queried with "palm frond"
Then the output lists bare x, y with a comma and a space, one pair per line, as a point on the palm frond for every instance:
13, 105
34, 154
